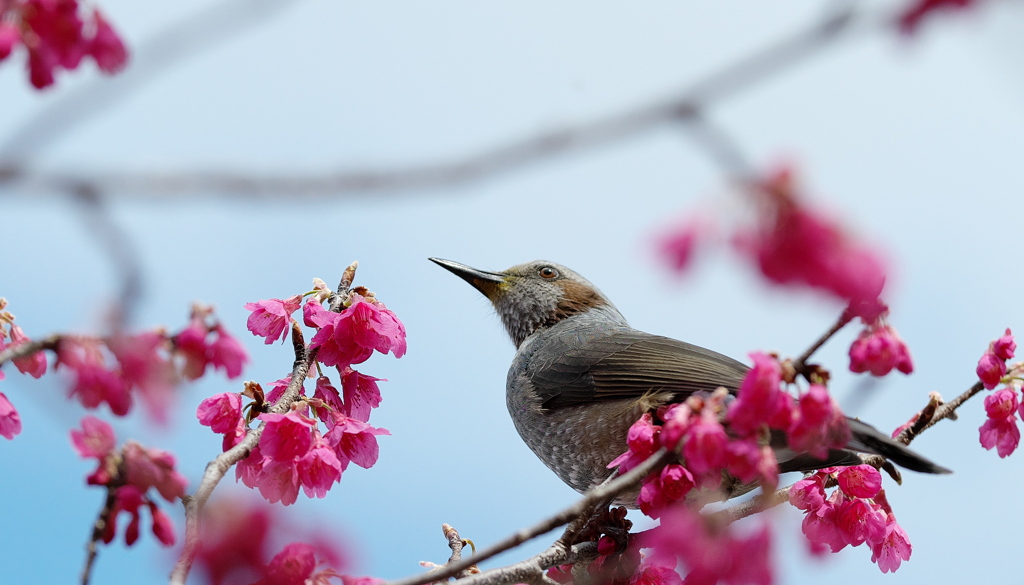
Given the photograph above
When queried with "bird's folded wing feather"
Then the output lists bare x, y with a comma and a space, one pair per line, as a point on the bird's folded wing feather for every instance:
579, 367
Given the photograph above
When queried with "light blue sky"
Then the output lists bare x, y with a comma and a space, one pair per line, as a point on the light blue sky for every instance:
917, 144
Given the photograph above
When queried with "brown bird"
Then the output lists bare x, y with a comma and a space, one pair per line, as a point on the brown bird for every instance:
582, 376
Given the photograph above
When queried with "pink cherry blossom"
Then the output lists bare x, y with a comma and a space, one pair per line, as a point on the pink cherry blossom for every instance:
318, 470
278, 481
641, 440
354, 440
286, 436
221, 412
705, 448
893, 549
879, 350
95, 440
858, 522
278, 387
227, 353
330, 396
270, 318
94, 383
990, 370
1005, 346
361, 394
163, 527
760, 399
651, 574
808, 494
34, 365
145, 367
677, 246
860, 481
147, 467
819, 424
1002, 433
10, 420
190, 343
821, 528
351, 336
9, 38
106, 47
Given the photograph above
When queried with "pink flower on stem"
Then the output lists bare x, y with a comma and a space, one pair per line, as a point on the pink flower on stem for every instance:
270, 318
94, 383
760, 399
990, 370
147, 467
221, 412
893, 549
330, 396
642, 442
34, 365
227, 353
860, 481
319, 469
879, 350
859, 522
361, 394
190, 343
1005, 346
1001, 430
286, 436
706, 447
355, 441
95, 440
10, 420
818, 424
808, 494
106, 47
145, 367
278, 481
351, 336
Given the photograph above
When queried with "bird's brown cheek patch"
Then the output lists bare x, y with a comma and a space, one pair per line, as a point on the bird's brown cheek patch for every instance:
576, 298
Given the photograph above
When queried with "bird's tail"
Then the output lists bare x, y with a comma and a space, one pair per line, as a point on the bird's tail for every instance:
867, 439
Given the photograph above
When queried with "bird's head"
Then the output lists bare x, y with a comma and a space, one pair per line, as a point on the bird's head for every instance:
533, 296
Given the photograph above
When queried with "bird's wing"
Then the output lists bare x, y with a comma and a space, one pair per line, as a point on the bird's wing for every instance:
579, 367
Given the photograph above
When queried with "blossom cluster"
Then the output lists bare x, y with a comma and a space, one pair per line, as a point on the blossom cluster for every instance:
293, 450
794, 245
855, 513
1000, 429
878, 348
812, 422
130, 472
58, 34
114, 370
238, 538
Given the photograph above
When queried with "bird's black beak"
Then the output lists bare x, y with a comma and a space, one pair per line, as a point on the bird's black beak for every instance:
489, 283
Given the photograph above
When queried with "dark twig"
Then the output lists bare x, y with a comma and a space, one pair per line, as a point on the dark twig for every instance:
98, 528
51, 342
800, 364
582, 506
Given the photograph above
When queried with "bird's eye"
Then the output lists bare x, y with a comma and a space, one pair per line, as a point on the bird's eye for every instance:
548, 272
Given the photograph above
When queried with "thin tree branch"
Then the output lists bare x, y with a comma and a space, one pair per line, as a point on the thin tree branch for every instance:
800, 363
593, 497
98, 528
50, 342
741, 75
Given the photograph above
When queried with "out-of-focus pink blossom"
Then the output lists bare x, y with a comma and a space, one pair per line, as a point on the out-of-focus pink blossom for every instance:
34, 365
879, 350
147, 467
190, 343
221, 412
794, 245
361, 394
286, 436
227, 353
95, 440
656, 574
710, 554
677, 246
10, 420
106, 47
94, 383
145, 368
9, 38
917, 11
270, 318
163, 527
